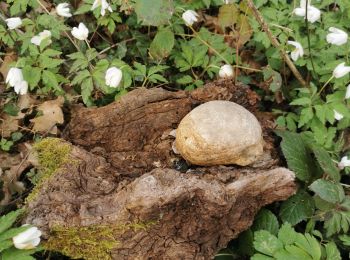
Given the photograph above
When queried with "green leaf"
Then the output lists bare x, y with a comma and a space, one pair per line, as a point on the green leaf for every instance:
5, 244
155, 12
301, 101
310, 245
332, 251
297, 208
81, 75
10, 218
266, 220
266, 243
32, 75
326, 162
14, 253
228, 15
11, 109
162, 44
286, 234
298, 158
261, 257
12, 232
49, 79
328, 191
87, 87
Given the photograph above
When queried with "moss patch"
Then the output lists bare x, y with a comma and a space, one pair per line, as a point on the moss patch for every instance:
91, 242
52, 154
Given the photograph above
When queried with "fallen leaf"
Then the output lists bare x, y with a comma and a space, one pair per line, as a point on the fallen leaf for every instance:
9, 124
51, 115
26, 101
5, 66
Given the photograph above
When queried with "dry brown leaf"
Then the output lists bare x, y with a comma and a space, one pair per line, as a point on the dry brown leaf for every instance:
51, 115
5, 66
7, 160
26, 101
9, 124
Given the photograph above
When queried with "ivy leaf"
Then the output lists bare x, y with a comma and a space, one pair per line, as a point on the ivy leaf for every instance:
328, 191
297, 208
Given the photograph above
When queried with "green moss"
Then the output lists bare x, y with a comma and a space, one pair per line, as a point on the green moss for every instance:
91, 242
52, 154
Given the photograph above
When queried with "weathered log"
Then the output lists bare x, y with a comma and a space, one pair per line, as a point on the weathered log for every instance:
114, 194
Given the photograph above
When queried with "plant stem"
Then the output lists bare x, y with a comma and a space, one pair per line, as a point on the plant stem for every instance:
325, 84
309, 42
275, 42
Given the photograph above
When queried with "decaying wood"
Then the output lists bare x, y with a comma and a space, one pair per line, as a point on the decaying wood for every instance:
120, 171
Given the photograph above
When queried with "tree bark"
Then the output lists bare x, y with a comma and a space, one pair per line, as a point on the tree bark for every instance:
121, 171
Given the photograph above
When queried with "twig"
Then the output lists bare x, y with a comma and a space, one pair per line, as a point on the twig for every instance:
275, 42
114, 45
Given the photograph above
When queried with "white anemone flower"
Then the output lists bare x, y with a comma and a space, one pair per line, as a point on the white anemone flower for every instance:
190, 17
81, 32
21, 88
347, 94
313, 14
63, 10
337, 36
344, 162
337, 115
113, 77
226, 71
40, 37
341, 70
14, 77
104, 6
28, 239
298, 51
13, 23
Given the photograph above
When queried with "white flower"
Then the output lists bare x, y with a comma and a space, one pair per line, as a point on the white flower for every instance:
40, 37
113, 77
13, 23
104, 6
337, 36
190, 17
298, 51
347, 94
313, 14
80, 32
14, 77
344, 162
226, 71
21, 88
28, 239
63, 10
341, 70
337, 115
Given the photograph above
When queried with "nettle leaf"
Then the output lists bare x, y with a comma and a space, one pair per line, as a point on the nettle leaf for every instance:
326, 162
296, 152
162, 44
297, 208
266, 220
266, 243
328, 191
155, 13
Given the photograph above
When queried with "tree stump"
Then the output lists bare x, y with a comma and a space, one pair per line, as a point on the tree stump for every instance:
120, 192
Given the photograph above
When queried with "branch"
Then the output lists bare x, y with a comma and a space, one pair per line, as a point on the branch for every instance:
275, 42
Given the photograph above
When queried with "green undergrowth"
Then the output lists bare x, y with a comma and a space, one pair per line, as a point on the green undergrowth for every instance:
91, 242
52, 154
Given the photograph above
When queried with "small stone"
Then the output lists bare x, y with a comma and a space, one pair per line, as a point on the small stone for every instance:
219, 133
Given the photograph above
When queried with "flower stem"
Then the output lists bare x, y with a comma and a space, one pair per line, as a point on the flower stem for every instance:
325, 84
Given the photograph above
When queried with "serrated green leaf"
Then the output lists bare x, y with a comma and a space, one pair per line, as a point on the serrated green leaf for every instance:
81, 75
266, 243
328, 191
12, 232
49, 79
5, 244
266, 220
87, 87
155, 13
297, 208
298, 158
10, 218
32, 75
326, 162
286, 234
332, 251
162, 44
